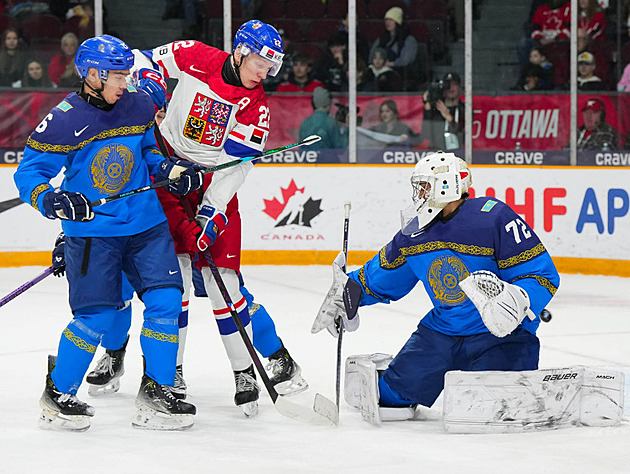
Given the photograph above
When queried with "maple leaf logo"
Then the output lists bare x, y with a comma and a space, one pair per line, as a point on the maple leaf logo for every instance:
273, 207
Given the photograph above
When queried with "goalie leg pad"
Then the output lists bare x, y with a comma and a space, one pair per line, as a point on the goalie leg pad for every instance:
506, 402
352, 379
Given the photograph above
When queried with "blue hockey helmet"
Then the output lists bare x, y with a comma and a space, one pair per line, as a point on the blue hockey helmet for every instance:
262, 39
103, 53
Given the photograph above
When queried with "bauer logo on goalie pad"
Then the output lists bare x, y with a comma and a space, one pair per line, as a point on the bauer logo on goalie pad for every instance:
551, 378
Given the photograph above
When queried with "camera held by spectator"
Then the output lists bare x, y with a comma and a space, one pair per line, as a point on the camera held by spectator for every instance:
341, 115
436, 91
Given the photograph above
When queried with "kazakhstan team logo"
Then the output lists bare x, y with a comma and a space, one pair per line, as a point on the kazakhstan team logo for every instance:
111, 167
444, 274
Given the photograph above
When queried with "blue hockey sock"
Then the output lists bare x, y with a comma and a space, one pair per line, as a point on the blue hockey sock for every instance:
266, 340
160, 333
388, 397
78, 344
115, 337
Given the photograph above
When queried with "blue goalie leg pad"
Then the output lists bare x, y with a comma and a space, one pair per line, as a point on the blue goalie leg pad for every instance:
160, 333
78, 344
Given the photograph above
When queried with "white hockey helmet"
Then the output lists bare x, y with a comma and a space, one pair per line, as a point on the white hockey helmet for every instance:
437, 179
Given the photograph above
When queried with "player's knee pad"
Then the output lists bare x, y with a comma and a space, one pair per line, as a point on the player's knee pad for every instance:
500, 402
162, 305
94, 321
230, 280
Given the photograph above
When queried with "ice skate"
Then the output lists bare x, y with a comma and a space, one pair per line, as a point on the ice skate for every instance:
105, 378
286, 375
179, 387
158, 409
62, 411
247, 391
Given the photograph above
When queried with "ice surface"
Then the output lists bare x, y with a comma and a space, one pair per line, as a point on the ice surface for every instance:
590, 326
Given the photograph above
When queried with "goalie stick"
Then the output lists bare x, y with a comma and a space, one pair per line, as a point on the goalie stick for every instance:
21, 289
346, 227
307, 141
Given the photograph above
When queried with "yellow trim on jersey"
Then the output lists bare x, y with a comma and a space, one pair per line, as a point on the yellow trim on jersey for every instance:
36, 192
522, 257
542, 281
116, 132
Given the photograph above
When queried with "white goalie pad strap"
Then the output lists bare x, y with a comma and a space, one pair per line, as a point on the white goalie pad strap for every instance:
352, 379
506, 402
502, 306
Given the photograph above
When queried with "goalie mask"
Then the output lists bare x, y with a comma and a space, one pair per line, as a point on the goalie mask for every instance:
437, 179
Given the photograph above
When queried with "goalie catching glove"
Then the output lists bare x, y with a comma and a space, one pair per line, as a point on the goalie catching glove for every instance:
341, 302
212, 223
502, 305
188, 176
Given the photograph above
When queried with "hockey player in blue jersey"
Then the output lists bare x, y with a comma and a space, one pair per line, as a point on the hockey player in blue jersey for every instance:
486, 272
103, 137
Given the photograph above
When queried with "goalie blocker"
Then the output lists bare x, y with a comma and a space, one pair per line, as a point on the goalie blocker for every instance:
506, 402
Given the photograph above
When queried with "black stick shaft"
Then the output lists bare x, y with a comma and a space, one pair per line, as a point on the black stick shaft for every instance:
346, 228
241, 329
212, 169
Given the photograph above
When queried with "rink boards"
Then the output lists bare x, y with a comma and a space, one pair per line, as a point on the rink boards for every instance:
294, 214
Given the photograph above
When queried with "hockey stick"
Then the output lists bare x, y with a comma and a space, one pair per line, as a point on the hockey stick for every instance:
307, 141
10, 204
346, 228
21, 289
285, 407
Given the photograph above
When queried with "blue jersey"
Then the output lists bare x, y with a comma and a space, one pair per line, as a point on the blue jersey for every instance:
484, 234
104, 153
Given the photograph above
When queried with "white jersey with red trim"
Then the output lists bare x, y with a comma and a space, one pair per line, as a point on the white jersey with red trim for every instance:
208, 121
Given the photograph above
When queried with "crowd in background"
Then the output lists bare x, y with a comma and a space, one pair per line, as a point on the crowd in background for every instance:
395, 53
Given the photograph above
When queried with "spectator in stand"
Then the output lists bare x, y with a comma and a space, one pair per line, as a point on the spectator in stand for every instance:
552, 22
443, 118
385, 78
587, 80
390, 124
365, 79
363, 44
271, 83
300, 79
596, 133
12, 59
322, 124
333, 66
624, 83
540, 67
591, 19
532, 79
62, 70
401, 47
35, 76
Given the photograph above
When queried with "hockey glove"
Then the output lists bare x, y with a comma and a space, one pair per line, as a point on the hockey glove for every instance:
212, 223
58, 256
186, 236
502, 306
342, 301
68, 206
188, 175
153, 83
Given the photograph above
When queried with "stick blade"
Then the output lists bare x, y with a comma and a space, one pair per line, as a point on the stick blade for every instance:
311, 139
302, 413
326, 408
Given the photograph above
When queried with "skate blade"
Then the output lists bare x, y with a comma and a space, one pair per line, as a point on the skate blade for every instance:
104, 390
292, 386
250, 409
58, 422
149, 419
